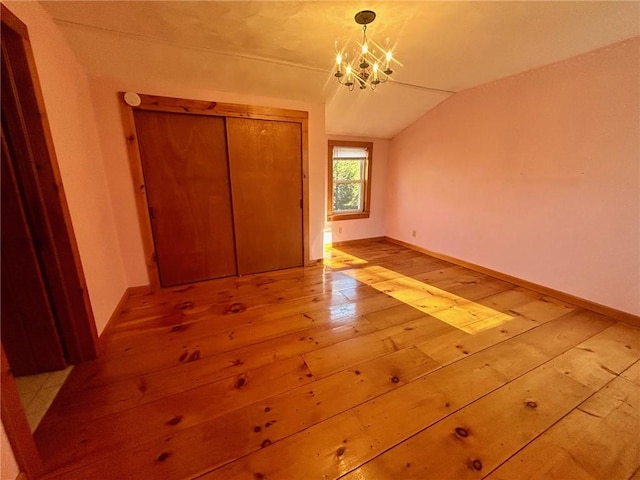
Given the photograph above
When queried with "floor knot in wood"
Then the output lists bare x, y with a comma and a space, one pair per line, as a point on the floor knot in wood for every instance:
188, 305
236, 308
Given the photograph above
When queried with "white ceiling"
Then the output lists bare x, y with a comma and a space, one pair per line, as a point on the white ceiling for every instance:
286, 49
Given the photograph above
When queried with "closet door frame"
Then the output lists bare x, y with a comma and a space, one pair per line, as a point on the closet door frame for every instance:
202, 107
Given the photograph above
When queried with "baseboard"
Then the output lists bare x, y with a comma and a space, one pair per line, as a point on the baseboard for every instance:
357, 241
139, 290
130, 291
313, 263
565, 297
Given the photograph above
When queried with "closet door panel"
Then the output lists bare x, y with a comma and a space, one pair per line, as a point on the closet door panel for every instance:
265, 161
184, 159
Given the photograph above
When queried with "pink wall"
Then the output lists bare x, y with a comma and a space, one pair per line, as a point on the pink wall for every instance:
374, 226
104, 91
536, 175
67, 98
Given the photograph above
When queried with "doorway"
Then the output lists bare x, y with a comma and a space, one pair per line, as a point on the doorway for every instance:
47, 321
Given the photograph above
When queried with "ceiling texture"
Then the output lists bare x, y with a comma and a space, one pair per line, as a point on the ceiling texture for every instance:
287, 49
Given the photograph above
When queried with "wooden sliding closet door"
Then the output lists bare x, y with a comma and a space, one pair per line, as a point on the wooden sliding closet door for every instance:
265, 159
184, 159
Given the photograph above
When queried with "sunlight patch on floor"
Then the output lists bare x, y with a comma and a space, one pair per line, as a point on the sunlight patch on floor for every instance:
373, 274
338, 260
459, 312
327, 241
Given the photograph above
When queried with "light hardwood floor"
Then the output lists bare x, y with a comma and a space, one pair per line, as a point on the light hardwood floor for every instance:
384, 363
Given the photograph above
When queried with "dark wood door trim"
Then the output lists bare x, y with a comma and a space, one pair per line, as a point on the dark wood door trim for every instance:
200, 107
15, 423
205, 107
25, 119
29, 331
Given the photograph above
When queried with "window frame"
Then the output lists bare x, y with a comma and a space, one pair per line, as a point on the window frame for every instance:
366, 182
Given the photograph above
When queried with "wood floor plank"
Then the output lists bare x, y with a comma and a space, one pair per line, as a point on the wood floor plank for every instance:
543, 309
477, 439
415, 266
357, 367
327, 450
541, 340
225, 289
372, 274
391, 316
454, 345
450, 276
602, 357
345, 354
395, 416
438, 394
112, 397
480, 288
197, 304
360, 292
632, 373
170, 347
71, 442
509, 299
581, 446
431, 298
207, 319
195, 450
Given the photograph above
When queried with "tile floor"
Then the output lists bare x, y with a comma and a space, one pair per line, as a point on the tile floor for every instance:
38, 391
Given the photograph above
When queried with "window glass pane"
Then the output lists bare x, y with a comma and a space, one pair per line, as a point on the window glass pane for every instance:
346, 196
347, 169
349, 181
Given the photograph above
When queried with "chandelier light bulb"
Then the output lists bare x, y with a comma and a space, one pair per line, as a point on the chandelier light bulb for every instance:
387, 70
338, 73
349, 82
376, 78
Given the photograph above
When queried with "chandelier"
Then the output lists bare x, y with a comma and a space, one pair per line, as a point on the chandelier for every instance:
367, 72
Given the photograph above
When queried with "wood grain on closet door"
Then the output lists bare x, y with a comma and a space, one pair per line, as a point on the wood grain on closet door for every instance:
184, 158
266, 181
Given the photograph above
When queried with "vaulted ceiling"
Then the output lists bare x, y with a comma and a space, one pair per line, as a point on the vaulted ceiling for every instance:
286, 49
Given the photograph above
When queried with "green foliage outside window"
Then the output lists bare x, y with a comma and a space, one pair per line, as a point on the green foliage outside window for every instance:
347, 176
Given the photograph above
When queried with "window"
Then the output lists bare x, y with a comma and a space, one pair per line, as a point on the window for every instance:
349, 180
